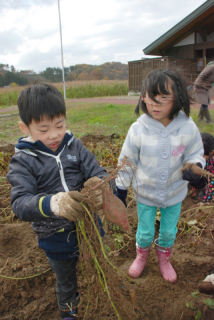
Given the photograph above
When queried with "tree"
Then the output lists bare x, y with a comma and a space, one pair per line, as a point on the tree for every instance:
84, 76
97, 73
12, 69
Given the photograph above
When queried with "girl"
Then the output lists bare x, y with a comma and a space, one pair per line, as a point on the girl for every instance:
159, 143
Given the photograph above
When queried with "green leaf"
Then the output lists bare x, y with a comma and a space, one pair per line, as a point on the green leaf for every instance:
210, 303
194, 294
107, 248
117, 245
192, 308
198, 315
119, 237
188, 305
115, 227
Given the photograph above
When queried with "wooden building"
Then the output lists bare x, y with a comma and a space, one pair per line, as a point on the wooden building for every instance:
189, 45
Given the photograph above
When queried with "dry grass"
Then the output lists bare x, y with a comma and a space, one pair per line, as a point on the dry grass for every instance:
74, 89
68, 84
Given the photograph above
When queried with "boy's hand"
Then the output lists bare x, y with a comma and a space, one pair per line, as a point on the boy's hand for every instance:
96, 194
66, 204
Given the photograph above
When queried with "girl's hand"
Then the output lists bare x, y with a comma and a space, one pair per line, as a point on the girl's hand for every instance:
189, 175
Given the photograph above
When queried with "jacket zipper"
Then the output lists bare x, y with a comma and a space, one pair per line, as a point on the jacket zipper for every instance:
59, 164
61, 172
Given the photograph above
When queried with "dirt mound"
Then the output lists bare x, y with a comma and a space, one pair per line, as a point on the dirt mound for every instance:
27, 285
34, 297
7, 148
99, 138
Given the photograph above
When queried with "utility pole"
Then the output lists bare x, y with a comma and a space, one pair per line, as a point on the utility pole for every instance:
63, 75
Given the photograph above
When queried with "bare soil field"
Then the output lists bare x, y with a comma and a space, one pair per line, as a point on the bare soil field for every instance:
27, 285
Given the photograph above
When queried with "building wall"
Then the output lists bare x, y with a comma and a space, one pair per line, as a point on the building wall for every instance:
210, 37
186, 51
188, 40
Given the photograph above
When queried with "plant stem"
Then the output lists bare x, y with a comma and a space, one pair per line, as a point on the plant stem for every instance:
35, 275
100, 272
102, 247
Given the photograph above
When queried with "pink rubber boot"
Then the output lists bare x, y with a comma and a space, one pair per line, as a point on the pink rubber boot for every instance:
166, 268
138, 265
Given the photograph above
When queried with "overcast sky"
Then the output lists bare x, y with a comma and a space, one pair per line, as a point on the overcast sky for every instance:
93, 32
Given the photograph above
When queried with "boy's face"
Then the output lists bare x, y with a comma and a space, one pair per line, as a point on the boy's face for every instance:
49, 132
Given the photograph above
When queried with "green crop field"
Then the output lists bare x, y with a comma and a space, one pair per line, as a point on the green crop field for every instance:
74, 89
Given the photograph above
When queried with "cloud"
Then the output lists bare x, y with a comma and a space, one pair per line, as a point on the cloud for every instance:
93, 32
39, 61
23, 4
10, 41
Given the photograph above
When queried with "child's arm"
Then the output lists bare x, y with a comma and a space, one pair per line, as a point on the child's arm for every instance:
24, 194
28, 205
130, 150
194, 154
194, 150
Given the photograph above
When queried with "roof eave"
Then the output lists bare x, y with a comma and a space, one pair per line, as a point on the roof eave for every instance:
204, 7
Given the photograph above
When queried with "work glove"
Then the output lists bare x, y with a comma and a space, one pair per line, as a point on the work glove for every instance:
95, 194
195, 180
67, 205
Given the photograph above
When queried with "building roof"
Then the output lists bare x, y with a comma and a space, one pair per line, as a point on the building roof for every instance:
195, 21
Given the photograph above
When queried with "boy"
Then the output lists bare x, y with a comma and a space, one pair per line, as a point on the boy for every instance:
47, 172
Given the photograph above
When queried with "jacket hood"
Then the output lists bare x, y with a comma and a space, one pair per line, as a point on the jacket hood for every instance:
155, 126
27, 143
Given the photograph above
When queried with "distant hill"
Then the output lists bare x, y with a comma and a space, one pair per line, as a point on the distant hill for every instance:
107, 71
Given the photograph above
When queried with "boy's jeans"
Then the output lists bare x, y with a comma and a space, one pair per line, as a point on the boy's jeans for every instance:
66, 280
146, 225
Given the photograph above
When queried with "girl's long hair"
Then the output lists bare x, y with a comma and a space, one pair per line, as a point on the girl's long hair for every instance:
159, 82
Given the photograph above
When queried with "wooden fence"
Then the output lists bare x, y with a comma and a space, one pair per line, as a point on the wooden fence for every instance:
139, 69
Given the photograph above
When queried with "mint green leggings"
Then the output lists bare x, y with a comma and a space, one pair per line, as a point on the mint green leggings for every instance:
146, 225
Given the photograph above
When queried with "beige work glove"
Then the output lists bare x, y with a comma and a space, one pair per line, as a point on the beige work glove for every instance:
66, 204
96, 194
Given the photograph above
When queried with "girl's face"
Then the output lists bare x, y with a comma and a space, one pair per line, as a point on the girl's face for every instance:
160, 111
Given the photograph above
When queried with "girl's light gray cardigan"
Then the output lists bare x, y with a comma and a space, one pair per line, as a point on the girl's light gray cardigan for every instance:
159, 153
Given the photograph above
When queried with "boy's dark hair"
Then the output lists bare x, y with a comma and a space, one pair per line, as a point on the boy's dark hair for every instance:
208, 142
158, 82
40, 101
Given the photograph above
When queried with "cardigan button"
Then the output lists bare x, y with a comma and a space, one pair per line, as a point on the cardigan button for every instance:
164, 155
162, 193
163, 176
164, 133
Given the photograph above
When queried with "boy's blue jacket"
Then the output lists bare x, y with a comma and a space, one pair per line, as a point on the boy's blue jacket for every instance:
36, 173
